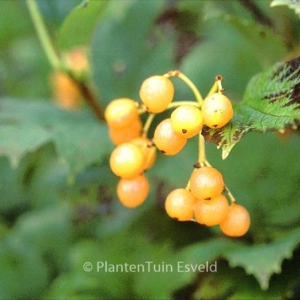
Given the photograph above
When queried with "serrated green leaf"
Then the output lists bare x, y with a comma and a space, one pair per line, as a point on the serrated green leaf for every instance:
263, 260
79, 138
205, 252
271, 102
292, 4
78, 27
235, 284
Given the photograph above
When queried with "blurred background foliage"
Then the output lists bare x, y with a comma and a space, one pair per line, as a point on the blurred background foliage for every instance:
58, 203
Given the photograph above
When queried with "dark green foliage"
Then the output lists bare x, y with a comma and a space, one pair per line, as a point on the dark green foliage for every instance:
58, 207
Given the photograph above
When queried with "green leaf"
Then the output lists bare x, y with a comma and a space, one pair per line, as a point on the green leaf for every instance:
263, 174
81, 142
99, 281
78, 27
35, 138
11, 199
55, 11
235, 284
79, 138
50, 239
23, 271
292, 4
13, 11
263, 260
260, 39
124, 53
236, 48
161, 276
271, 102
205, 252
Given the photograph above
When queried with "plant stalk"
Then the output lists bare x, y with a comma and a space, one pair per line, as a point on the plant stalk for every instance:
43, 34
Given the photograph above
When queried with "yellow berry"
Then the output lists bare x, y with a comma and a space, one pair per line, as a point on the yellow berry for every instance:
237, 221
133, 192
167, 140
211, 212
156, 93
187, 120
125, 134
206, 183
127, 161
179, 204
121, 112
216, 110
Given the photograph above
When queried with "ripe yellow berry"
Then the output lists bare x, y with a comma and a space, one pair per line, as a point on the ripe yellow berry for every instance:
237, 221
187, 120
133, 192
167, 140
179, 204
121, 112
206, 183
211, 212
125, 134
156, 93
216, 110
127, 161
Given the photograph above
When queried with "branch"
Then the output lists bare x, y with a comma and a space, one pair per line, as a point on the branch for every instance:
88, 96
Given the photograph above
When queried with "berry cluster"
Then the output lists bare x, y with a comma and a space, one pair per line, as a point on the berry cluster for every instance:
203, 199
205, 203
134, 153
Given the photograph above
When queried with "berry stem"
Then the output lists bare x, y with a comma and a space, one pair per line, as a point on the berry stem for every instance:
43, 34
219, 80
175, 104
217, 86
186, 80
89, 97
213, 89
54, 60
147, 124
142, 110
231, 197
180, 103
192, 87
201, 155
